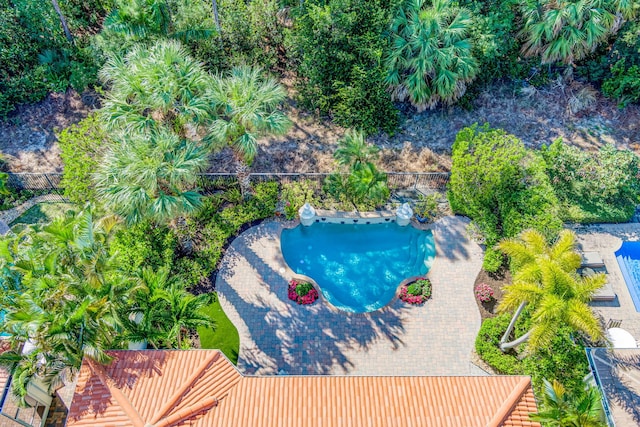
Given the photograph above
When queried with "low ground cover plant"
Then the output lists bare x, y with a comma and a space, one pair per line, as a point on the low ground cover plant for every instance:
416, 292
302, 293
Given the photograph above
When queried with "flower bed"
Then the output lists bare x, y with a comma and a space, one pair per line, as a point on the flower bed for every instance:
302, 292
484, 292
416, 292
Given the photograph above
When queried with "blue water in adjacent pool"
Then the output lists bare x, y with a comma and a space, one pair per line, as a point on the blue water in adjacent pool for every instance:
358, 266
628, 257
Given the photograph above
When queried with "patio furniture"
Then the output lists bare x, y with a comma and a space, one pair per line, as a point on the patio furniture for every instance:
613, 323
621, 338
591, 259
606, 293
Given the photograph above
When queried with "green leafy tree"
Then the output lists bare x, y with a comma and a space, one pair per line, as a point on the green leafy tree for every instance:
430, 59
153, 87
247, 106
339, 47
501, 185
563, 408
151, 176
545, 278
567, 31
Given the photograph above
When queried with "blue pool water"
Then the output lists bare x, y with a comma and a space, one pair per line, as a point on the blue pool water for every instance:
358, 266
628, 257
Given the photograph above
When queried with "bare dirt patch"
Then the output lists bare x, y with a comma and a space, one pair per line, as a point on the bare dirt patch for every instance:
27, 138
422, 144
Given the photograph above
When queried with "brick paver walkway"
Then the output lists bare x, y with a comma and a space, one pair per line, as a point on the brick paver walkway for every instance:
277, 336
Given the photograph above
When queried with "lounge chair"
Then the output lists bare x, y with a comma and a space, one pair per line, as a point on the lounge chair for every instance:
605, 293
591, 259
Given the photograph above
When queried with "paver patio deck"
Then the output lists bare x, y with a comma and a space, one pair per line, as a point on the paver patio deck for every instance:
277, 336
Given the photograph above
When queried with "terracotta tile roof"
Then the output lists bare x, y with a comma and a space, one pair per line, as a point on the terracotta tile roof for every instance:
201, 388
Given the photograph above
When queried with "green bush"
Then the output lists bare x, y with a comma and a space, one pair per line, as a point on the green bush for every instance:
303, 288
600, 186
295, 194
501, 185
488, 346
144, 245
492, 261
337, 47
82, 146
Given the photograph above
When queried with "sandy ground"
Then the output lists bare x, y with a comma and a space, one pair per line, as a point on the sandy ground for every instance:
423, 143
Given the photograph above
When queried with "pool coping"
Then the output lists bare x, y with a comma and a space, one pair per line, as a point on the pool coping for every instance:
290, 224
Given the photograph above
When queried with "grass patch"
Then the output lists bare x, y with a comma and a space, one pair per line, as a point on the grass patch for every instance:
43, 213
225, 336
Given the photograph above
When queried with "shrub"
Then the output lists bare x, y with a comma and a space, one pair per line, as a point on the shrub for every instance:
144, 245
484, 292
493, 260
594, 187
488, 346
501, 186
82, 146
295, 194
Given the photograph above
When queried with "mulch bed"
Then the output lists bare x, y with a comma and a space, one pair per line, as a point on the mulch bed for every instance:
496, 281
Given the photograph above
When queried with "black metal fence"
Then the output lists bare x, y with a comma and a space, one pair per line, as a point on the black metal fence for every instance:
429, 181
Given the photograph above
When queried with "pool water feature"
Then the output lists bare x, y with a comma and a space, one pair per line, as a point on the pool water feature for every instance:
358, 267
628, 257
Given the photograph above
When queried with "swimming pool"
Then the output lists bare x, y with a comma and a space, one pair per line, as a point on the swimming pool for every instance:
358, 266
628, 257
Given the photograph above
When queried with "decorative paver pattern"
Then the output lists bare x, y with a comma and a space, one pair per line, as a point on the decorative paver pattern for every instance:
280, 337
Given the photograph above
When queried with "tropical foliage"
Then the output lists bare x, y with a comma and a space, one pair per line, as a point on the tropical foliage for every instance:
430, 59
155, 86
545, 279
247, 106
567, 31
579, 408
151, 176
358, 182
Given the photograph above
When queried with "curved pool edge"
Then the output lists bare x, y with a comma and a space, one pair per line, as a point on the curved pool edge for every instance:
291, 274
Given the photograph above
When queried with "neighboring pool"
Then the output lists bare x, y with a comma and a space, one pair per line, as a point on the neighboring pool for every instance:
628, 257
358, 266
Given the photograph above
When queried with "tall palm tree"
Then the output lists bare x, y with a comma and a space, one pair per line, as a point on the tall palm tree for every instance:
154, 87
545, 278
560, 408
151, 176
566, 31
430, 59
247, 104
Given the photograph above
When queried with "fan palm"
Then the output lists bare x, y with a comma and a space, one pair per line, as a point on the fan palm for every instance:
546, 279
154, 87
247, 105
567, 30
151, 176
353, 149
560, 408
430, 58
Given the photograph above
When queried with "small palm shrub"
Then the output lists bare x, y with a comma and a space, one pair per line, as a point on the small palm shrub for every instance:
430, 59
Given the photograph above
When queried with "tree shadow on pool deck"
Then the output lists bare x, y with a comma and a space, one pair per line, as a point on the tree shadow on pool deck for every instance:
451, 237
297, 339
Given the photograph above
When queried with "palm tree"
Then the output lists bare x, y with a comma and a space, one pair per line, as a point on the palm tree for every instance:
430, 58
247, 105
559, 408
353, 149
566, 31
151, 176
545, 278
153, 87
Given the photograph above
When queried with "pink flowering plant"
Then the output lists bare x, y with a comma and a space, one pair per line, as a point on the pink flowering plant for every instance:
302, 292
484, 293
416, 292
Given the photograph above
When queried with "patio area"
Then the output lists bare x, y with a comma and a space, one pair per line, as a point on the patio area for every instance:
606, 239
280, 337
